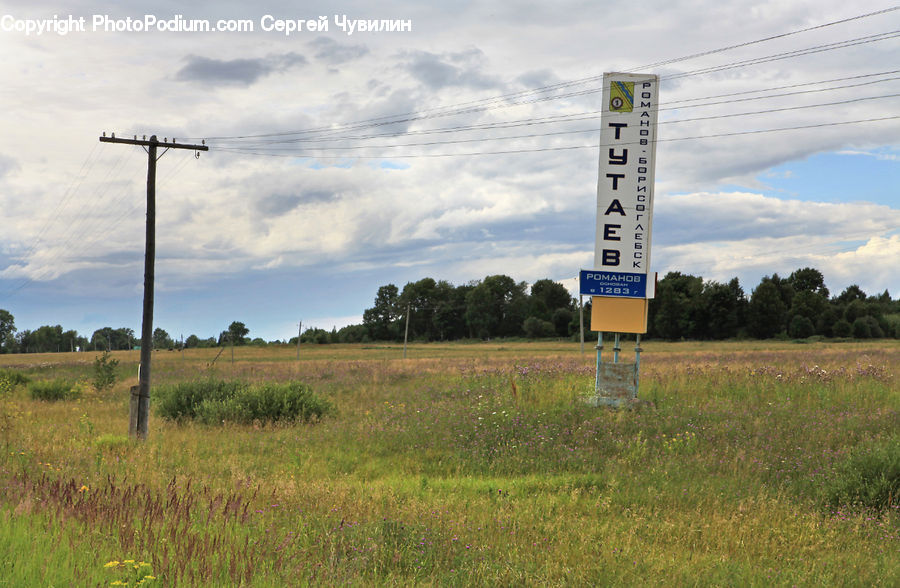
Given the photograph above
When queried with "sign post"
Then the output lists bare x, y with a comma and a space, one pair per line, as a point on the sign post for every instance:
620, 283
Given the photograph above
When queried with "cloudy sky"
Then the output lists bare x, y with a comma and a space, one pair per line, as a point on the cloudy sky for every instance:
464, 147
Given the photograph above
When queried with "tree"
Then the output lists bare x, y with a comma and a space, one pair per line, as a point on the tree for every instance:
496, 307
536, 328
420, 300
801, 327
676, 306
109, 338
381, 319
810, 305
842, 329
7, 329
850, 294
450, 311
563, 322
161, 339
808, 280
767, 311
192, 341
722, 310
237, 331
546, 297
44, 339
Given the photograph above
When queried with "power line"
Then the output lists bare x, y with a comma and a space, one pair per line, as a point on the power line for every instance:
590, 115
576, 131
74, 246
567, 148
490, 103
86, 217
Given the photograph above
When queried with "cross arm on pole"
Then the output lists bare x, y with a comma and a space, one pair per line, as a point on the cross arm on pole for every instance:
153, 141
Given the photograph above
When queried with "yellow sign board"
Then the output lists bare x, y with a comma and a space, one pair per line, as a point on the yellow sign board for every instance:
619, 315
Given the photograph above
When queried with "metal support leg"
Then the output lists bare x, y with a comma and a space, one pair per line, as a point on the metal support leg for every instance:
637, 364
599, 348
616, 350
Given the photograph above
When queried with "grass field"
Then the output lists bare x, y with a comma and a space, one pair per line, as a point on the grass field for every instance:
464, 464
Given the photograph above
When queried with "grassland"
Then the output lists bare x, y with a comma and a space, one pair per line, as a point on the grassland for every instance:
464, 464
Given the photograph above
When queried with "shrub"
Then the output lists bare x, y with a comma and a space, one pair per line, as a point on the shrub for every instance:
869, 479
181, 401
801, 327
535, 328
53, 390
9, 379
216, 401
104, 372
842, 329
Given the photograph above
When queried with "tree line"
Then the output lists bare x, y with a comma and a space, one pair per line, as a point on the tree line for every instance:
685, 307
52, 339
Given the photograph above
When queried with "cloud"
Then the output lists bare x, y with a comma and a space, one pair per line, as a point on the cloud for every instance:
879, 155
7, 164
241, 72
462, 69
279, 204
703, 217
333, 53
745, 235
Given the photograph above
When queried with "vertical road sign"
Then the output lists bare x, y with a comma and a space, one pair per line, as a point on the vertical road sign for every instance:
625, 191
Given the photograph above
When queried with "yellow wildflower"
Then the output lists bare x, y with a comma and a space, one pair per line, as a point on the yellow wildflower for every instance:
112, 564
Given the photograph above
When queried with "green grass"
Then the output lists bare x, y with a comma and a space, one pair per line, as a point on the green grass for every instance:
470, 464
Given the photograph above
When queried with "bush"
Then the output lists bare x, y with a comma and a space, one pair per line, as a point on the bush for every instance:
104, 372
181, 401
535, 328
869, 479
801, 327
842, 329
53, 390
216, 401
9, 379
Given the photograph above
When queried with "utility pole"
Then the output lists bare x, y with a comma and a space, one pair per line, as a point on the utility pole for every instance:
138, 421
299, 331
406, 331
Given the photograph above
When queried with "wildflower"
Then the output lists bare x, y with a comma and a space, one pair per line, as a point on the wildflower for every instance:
83, 488
112, 564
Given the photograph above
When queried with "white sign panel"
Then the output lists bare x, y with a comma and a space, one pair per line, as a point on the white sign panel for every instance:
625, 189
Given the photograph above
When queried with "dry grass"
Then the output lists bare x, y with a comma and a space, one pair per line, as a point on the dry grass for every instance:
469, 464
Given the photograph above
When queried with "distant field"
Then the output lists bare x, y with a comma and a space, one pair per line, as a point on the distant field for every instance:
464, 464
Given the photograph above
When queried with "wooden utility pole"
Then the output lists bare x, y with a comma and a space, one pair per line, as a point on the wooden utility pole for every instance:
141, 412
406, 331
299, 333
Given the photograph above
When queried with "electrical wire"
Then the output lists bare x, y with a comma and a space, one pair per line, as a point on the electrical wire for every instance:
580, 116
576, 131
503, 101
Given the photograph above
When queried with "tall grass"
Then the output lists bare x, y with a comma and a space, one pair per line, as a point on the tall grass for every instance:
474, 465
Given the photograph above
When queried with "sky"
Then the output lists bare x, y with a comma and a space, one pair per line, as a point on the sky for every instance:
463, 143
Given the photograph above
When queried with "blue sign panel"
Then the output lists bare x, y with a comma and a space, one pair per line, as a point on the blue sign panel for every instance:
604, 283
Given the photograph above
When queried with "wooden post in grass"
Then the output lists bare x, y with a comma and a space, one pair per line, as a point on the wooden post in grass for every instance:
143, 387
299, 331
406, 332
